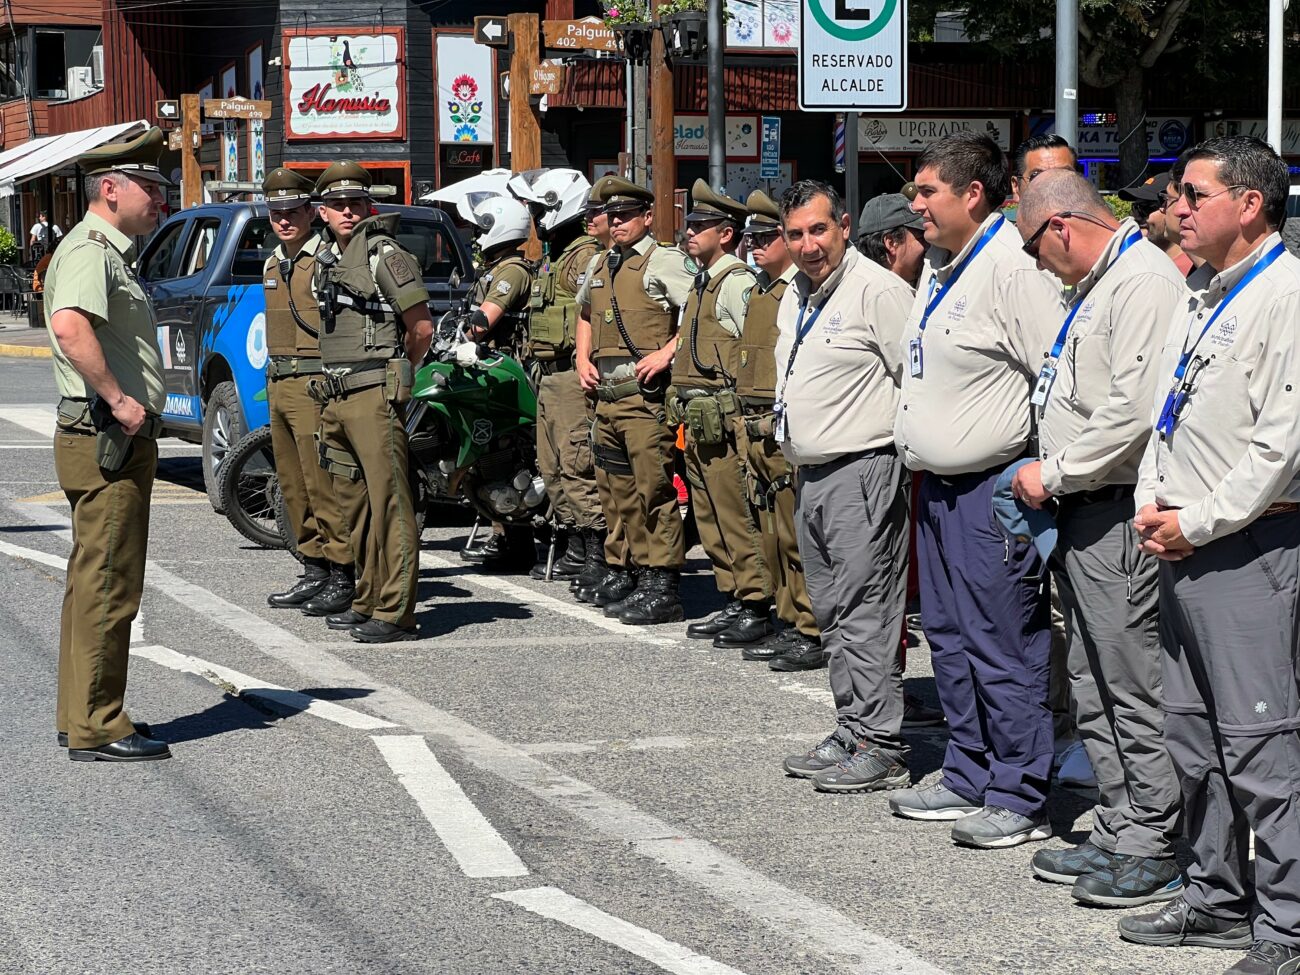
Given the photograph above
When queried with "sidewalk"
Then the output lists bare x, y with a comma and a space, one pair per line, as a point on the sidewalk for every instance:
18, 339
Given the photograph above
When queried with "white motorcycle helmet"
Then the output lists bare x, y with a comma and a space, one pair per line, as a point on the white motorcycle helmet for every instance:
503, 220
561, 193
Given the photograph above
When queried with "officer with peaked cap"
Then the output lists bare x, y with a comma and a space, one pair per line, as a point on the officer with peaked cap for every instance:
293, 343
110, 380
375, 328
627, 335
703, 398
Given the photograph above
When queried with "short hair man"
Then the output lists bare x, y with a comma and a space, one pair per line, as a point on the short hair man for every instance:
974, 341
892, 234
838, 365
1093, 423
110, 379
1040, 154
1217, 503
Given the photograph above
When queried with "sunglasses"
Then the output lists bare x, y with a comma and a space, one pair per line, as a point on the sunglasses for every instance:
354, 203
700, 226
1032, 244
762, 238
1196, 197
623, 216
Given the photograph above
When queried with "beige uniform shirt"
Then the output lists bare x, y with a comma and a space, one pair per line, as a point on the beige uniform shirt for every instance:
91, 272
1236, 448
1096, 423
733, 294
841, 394
969, 409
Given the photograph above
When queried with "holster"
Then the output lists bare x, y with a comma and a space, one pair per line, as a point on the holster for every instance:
112, 443
760, 426
336, 461
612, 460
397, 381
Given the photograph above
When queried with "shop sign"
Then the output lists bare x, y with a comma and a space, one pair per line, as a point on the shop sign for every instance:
463, 156
1257, 127
691, 136
344, 86
465, 76
1165, 137
906, 133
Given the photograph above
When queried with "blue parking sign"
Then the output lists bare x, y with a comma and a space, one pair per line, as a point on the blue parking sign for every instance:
770, 153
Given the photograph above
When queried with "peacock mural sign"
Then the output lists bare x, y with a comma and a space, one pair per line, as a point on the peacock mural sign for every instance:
344, 86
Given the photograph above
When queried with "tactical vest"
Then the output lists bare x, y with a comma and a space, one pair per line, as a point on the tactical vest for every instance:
553, 310
358, 323
512, 326
715, 348
756, 379
285, 334
649, 325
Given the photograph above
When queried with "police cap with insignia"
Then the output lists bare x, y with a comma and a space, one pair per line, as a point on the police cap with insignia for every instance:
764, 214
286, 190
343, 179
711, 206
886, 212
621, 195
595, 202
138, 157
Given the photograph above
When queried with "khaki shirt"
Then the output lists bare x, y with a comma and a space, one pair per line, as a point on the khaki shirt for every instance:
309, 247
91, 272
508, 286
1236, 448
1096, 422
668, 278
733, 294
969, 409
842, 393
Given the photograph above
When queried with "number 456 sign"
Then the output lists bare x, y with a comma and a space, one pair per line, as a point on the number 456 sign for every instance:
853, 55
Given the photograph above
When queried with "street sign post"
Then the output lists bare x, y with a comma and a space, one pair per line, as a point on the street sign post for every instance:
770, 148
491, 31
588, 34
546, 79
853, 57
239, 108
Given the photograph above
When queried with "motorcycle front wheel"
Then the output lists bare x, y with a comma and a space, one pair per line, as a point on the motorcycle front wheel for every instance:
250, 491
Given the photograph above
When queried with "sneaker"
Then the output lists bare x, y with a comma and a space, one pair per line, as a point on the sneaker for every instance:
993, 828
918, 714
1178, 923
827, 754
931, 803
866, 770
1068, 865
1128, 881
1268, 958
1075, 770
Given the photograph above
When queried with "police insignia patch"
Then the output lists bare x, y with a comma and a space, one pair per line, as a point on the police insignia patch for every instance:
691, 266
503, 288
609, 316
745, 296
400, 269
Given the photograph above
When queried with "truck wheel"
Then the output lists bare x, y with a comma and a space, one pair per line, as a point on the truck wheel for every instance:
250, 491
289, 541
223, 426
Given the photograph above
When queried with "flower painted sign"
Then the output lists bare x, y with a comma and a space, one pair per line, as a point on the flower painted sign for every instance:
344, 86
465, 73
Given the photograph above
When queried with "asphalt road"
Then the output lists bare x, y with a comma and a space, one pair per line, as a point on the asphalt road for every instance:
528, 788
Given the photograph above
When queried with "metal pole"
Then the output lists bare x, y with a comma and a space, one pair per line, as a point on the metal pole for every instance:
640, 127
629, 129
1067, 70
851, 171
1275, 10
717, 99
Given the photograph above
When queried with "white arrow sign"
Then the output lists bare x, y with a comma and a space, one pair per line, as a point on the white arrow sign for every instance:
492, 29
167, 109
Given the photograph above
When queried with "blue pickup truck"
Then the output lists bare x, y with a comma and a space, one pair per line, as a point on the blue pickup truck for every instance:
203, 270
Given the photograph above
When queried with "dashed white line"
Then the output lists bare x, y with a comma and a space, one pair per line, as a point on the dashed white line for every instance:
473, 842
553, 903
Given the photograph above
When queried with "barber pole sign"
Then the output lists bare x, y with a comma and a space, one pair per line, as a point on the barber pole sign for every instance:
840, 148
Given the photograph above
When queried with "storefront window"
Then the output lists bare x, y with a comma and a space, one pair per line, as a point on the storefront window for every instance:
12, 58
763, 23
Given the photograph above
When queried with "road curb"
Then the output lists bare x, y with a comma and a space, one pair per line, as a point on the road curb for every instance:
26, 351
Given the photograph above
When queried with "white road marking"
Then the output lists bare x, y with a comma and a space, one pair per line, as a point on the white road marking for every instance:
50, 446
553, 903
34, 555
37, 419
476, 846
822, 695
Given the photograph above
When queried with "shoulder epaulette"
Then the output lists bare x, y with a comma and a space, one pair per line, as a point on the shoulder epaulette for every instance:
98, 237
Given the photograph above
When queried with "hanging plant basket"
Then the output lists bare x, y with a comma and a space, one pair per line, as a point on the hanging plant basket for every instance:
635, 39
686, 34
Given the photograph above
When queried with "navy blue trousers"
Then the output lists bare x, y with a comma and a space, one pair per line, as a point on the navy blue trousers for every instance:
985, 612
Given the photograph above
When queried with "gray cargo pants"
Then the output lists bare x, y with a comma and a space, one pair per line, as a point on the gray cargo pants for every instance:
1109, 595
851, 518
1228, 624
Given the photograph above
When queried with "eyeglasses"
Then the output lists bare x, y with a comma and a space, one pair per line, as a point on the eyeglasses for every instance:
1196, 197
762, 238
1032, 244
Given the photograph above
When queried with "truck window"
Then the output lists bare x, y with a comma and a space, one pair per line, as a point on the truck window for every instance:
159, 260
198, 250
255, 246
429, 245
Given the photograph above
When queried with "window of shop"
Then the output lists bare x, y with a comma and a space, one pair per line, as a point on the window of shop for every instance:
763, 23
50, 67
13, 56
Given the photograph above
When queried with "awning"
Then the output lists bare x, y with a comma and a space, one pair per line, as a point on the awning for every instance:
41, 156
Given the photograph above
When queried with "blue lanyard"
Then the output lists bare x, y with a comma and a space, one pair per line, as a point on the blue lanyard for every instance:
932, 299
801, 331
1256, 270
1059, 345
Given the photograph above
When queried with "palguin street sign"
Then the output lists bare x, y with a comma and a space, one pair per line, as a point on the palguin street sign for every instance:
588, 34
245, 108
853, 56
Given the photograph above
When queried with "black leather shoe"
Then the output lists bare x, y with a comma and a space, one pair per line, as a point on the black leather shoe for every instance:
771, 648
141, 729
133, 748
804, 654
312, 581
617, 585
753, 625
336, 596
659, 602
1177, 923
345, 620
378, 631
715, 624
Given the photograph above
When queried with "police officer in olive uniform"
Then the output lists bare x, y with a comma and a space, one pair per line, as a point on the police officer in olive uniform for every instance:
703, 399
375, 328
770, 475
293, 342
627, 337
109, 375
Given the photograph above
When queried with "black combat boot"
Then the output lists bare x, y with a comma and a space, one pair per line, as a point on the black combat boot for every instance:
594, 565
753, 624
336, 596
569, 563
315, 574
715, 624
618, 587
660, 604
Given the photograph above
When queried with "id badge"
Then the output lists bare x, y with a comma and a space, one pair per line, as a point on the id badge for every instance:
914, 357
1169, 413
778, 422
1046, 376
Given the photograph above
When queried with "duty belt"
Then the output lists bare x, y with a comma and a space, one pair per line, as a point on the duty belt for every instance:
293, 365
335, 385
755, 405
613, 392
74, 417
549, 367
